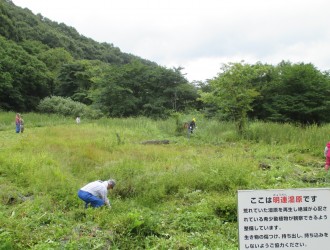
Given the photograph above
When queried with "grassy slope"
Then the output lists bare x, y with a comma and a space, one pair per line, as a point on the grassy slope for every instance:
176, 196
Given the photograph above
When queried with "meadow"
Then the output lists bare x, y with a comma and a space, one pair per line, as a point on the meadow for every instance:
181, 195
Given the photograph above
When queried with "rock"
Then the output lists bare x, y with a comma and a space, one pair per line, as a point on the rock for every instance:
156, 142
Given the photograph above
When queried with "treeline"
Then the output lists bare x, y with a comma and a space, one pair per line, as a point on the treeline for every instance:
295, 93
44, 60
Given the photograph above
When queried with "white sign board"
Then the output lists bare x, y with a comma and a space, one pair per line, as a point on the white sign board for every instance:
284, 219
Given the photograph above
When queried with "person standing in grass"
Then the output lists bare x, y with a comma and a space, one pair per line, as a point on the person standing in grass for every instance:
327, 156
18, 122
95, 193
192, 125
21, 124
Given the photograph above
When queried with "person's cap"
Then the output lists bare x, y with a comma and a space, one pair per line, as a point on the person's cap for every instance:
194, 119
112, 182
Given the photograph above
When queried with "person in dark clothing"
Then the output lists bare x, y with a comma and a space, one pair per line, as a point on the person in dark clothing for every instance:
192, 125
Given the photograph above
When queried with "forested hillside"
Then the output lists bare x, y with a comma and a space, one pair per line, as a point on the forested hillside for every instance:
40, 58
20, 25
44, 60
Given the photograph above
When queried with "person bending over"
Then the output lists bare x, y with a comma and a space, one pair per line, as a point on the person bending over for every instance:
95, 193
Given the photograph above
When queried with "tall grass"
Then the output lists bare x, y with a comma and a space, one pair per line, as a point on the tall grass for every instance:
32, 120
310, 138
180, 195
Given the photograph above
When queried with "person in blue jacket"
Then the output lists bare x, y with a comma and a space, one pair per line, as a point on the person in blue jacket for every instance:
18, 123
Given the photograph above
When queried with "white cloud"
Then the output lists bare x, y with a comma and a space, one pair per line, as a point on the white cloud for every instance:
201, 35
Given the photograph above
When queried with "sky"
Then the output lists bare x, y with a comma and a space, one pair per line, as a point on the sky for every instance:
201, 35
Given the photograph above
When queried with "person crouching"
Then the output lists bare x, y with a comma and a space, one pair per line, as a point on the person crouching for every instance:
95, 193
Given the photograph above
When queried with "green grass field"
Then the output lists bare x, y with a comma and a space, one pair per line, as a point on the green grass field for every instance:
181, 195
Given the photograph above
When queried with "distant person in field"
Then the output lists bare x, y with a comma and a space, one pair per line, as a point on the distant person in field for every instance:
21, 124
18, 123
78, 119
192, 125
95, 193
327, 156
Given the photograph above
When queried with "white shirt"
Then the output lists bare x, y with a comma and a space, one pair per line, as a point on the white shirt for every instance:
99, 189
326, 151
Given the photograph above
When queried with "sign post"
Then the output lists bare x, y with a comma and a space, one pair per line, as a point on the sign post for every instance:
284, 219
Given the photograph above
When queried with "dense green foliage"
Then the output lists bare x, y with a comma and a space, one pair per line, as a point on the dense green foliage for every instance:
295, 93
233, 92
283, 93
128, 93
21, 25
181, 195
24, 80
66, 107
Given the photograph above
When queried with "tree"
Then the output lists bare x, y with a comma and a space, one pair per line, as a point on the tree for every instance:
118, 92
55, 59
232, 91
296, 93
25, 80
7, 28
74, 81
137, 89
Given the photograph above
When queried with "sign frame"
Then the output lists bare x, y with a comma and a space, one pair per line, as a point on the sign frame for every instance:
284, 219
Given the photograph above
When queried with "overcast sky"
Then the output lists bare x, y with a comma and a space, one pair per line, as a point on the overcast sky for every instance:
201, 35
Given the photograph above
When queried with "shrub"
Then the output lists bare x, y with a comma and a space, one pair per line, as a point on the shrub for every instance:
226, 209
67, 107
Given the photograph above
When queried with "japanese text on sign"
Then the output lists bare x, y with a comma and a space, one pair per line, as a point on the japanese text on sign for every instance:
284, 219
